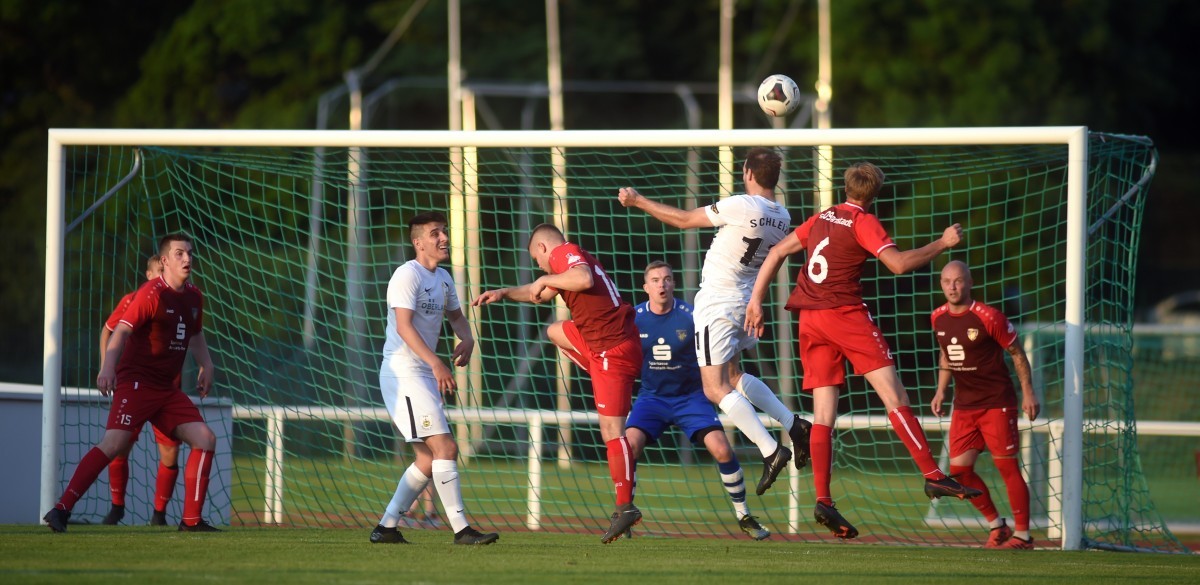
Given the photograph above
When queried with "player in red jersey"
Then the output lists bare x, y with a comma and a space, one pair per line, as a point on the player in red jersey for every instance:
142, 369
168, 448
835, 326
973, 338
600, 338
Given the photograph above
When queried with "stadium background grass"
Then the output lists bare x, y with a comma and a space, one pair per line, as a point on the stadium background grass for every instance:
102, 554
663, 491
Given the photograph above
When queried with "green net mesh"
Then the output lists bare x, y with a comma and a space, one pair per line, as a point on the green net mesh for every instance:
295, 248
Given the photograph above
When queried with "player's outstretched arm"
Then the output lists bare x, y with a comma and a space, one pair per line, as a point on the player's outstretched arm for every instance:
533, 292
672, 216
904, 262
200, 353
1029, 401
762, 283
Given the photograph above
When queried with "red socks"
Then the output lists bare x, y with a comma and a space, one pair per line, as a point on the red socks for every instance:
967, 476
195, 486
905, 424
118, 479
165, 486
820, 447
85, 475
1018, 490
621, 468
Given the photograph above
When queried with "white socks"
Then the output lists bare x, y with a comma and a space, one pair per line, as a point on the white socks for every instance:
761, 396
412, 483
445, 481
739, 410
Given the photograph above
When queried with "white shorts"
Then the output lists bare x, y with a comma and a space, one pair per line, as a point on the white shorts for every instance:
415, 406
720, 332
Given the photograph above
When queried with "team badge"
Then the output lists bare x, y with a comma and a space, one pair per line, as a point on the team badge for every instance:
972, 333
682, 333
426, 422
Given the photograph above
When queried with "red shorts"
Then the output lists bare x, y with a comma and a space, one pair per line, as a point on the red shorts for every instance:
976, 428
828, 337
613, 371
160, 438
165, 409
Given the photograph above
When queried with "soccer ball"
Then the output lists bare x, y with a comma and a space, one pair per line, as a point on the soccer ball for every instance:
778, 95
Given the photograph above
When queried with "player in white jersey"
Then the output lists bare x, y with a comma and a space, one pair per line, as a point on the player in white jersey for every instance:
413, 377
750, 224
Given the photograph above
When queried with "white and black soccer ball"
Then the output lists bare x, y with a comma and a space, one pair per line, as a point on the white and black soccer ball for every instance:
778, 95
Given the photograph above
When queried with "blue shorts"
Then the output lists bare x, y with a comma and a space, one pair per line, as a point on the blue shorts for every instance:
692, 413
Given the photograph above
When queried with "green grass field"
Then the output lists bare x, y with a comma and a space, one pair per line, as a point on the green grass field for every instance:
93, 554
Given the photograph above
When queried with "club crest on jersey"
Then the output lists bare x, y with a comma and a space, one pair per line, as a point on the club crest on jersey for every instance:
972, 333
682, 333
426, 422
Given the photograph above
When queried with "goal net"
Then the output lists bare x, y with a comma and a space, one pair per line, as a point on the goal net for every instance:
297, 234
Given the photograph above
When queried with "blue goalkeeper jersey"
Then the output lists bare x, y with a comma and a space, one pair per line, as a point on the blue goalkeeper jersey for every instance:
669, 365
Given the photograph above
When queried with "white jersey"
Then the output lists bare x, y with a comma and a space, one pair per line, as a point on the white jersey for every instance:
429, 295
750, 226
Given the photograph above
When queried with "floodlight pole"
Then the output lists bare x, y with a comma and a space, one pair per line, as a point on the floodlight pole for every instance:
558, 168
725, 95
824, 88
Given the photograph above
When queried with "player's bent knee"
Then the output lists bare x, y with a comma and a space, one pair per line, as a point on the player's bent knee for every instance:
717, 444
197, 436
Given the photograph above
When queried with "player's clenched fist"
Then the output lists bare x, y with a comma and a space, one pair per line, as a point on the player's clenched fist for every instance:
628, 196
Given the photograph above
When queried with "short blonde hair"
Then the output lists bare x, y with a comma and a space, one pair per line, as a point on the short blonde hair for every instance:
863, 181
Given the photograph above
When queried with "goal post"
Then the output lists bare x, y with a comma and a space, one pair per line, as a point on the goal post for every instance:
245, 195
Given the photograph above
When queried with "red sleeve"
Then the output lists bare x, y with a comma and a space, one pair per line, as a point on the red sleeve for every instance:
999, 327
803, 231
115, 318
871, 235
565, 257
142, 308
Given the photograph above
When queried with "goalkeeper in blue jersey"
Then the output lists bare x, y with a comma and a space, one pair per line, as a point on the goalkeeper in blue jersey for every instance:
672, 393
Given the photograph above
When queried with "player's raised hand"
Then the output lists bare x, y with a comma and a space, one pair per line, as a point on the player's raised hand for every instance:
462, 352
628, 196
754, 319
488, 297
952, 235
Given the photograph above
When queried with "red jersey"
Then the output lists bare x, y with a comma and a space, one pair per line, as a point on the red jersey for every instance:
838, 241
163, 322
604, 319
974, 342
115, 317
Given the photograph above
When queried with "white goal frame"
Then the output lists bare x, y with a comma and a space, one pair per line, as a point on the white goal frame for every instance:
463, 144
